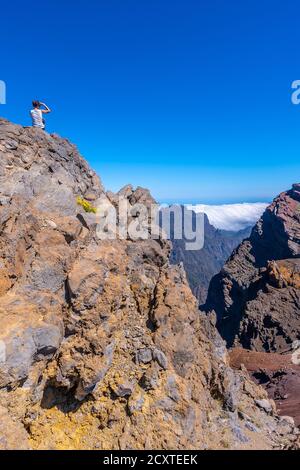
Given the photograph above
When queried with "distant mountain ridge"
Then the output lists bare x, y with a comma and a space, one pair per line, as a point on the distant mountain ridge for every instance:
202, 265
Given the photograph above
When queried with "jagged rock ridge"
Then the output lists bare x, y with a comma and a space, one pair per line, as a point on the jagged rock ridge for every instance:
101, 342
257, 294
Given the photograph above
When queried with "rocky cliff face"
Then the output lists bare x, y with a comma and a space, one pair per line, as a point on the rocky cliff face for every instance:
257, 294
101, 342
202, 265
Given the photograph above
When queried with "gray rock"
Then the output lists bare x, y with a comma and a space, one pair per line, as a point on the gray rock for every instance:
26, 347
47, 339
144, 356
251, 427
172, 388
160, 358
265, 405
232, 389
11, 144
46, 276
57, 199
165, 404
124, 390
238, 433
189, 421
20, 350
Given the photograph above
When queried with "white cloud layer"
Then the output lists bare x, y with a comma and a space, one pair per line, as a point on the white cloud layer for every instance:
232, 216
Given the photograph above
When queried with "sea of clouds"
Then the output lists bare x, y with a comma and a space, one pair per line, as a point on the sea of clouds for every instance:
232, 216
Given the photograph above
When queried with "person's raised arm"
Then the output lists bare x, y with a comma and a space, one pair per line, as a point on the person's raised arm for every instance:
46, 110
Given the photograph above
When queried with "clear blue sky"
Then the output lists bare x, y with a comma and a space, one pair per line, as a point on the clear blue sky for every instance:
190, 98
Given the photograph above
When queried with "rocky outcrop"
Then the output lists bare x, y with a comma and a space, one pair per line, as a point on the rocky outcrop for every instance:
280, 376
101, 342
202, 265
256, 295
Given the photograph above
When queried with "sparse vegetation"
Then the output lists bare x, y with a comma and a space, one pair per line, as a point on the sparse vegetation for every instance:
86, 205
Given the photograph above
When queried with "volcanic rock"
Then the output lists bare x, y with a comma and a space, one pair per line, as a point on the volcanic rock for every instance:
77, 310
278, 374
256, 295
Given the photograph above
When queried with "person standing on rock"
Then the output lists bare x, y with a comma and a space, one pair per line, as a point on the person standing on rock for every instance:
37, 114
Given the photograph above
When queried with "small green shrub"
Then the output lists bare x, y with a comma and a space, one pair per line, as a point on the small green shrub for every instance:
86, 205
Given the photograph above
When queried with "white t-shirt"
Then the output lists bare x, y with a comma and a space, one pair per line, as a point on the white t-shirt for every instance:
37, 118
